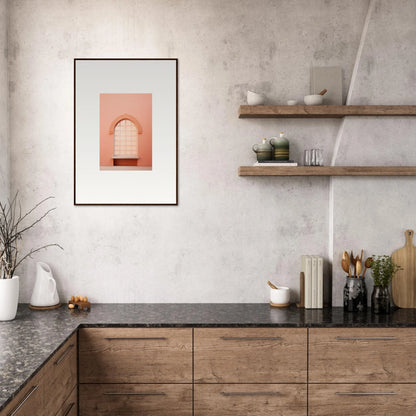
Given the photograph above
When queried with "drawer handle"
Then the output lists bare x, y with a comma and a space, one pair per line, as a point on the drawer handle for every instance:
250, 393
134, 338
366, 338
250, 338
69, 408
31, 391
366, 394
135, 394
64, 354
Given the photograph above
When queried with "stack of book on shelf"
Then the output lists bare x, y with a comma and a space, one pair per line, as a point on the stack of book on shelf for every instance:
276, 163
312, 268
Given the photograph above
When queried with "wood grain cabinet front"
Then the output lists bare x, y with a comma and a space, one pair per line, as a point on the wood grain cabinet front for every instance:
362, 355
70, 405
250, 355
135, 399
250, 399
60, 375
29, 401
135, 355
360, 399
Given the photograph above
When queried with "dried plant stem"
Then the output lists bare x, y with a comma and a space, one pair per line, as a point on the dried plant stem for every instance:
12, 228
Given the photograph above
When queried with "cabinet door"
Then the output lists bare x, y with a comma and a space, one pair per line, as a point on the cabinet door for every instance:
362, 399
60, 375
250, 355
250, 399
135, 355
70, 406
362, 355
135, 399
29, 401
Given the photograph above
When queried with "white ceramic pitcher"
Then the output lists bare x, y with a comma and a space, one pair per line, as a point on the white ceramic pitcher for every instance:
44, 291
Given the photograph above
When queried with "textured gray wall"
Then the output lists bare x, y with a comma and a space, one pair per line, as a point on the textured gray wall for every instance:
4, 112
229, 235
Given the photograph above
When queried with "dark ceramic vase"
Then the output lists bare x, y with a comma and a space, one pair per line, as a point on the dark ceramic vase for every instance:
380, 300
355, 294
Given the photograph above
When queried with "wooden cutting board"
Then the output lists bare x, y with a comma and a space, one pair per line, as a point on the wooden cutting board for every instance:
404, 281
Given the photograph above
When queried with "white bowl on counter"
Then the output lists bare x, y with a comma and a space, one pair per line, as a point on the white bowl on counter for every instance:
314, 99
280, 296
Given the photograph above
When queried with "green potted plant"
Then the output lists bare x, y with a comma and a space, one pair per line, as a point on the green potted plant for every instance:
13, 225
383, 270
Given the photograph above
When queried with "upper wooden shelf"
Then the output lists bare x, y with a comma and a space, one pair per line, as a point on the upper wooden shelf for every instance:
327, 171
323, 111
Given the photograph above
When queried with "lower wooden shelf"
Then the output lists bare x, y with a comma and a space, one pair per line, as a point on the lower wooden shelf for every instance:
327, 171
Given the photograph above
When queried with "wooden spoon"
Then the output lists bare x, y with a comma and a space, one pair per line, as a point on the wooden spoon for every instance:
345, 263
358, 267
271, 284
367, 264
323, 92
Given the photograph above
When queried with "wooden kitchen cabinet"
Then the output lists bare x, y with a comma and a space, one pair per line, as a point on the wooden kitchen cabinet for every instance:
60, 374
250, 399
48, 392
362, 355
250, 355
70, 405
135, 399
359, 399
135, 355
29, 401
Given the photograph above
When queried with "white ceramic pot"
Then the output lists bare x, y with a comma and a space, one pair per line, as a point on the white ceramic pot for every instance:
9, 297
314, 99
280, 296
254, 98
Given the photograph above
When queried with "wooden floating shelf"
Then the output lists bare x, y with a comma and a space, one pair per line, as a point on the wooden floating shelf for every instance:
323, 111
327, 171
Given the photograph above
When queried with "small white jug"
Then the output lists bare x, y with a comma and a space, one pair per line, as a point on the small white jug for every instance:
44, 291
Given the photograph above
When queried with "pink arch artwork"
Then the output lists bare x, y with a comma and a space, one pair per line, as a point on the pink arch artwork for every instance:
137, 108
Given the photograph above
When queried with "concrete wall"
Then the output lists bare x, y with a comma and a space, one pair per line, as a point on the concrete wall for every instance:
229, 234
4, 112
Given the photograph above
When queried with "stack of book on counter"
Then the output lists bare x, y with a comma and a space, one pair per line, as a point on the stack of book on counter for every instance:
276, 163
312, 267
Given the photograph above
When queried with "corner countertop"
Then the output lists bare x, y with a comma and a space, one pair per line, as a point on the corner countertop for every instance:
27, 342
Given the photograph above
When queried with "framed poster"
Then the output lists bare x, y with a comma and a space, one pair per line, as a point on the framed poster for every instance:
125, 131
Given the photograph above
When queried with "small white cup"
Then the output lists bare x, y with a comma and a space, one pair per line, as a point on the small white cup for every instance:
280, 296
291, 102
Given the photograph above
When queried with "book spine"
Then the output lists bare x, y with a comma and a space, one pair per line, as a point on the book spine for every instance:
306, 268
314, 282
320, 282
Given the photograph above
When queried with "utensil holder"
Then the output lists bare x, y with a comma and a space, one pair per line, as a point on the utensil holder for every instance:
355, 294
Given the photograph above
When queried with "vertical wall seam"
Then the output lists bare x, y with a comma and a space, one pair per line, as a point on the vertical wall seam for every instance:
8, 137
340, 133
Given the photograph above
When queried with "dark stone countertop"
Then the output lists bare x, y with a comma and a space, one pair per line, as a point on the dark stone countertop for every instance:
31, 339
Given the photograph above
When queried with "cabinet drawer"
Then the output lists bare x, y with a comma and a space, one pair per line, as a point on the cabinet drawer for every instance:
250, 355
70, 406
250, 399
135, 399
135, 355
362, 355
29, 401
359, 399
60, 376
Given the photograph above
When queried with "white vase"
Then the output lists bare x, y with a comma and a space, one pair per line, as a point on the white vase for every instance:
9, 297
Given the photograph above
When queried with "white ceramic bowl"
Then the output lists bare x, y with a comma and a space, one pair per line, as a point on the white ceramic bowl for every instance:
315, 99
254, 98
291, 102
280, 296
